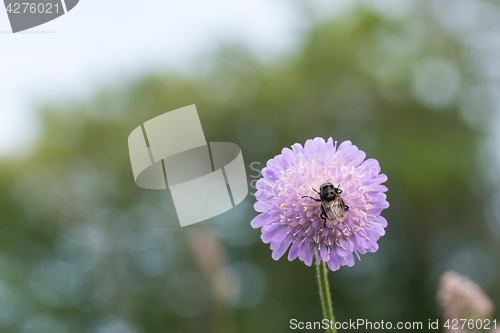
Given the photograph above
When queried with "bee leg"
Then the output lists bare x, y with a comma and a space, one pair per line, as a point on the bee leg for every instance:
322, 216
306, 196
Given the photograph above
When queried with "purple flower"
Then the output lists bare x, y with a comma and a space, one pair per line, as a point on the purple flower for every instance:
289, 220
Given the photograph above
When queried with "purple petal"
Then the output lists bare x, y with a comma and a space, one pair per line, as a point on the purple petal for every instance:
376, 188
334, 263
373, 247
380, 221
269, 173
280, 251
324, 255
271, 227
280, 234
261, 207
266, 237
358, 157
309, 149
378, 179
307, 256
344, 146
370, 167
288, 156
297, 148
350, 260
294, 250
263, 195
340, 251
259, 220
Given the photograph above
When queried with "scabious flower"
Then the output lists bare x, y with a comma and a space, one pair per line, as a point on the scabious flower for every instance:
461, 298
289, 219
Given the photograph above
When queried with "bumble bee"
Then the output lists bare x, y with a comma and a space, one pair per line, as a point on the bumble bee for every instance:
333, 207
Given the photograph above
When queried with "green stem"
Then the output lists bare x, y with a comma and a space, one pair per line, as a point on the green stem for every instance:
324, 293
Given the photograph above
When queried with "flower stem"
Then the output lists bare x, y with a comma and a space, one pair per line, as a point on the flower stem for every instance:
324, 293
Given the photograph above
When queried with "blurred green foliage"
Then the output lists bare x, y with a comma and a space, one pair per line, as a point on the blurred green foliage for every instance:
83, 249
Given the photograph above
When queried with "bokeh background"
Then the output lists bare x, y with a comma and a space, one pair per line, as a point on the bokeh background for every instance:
412, 83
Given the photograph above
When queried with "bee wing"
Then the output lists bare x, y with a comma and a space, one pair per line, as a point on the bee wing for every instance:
334, 210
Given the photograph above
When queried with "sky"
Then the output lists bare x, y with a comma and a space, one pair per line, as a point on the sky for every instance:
102, 43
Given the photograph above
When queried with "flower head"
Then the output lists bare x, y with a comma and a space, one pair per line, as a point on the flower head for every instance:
461, 298
289, 218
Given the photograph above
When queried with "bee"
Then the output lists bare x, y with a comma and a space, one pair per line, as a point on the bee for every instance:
333, 207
